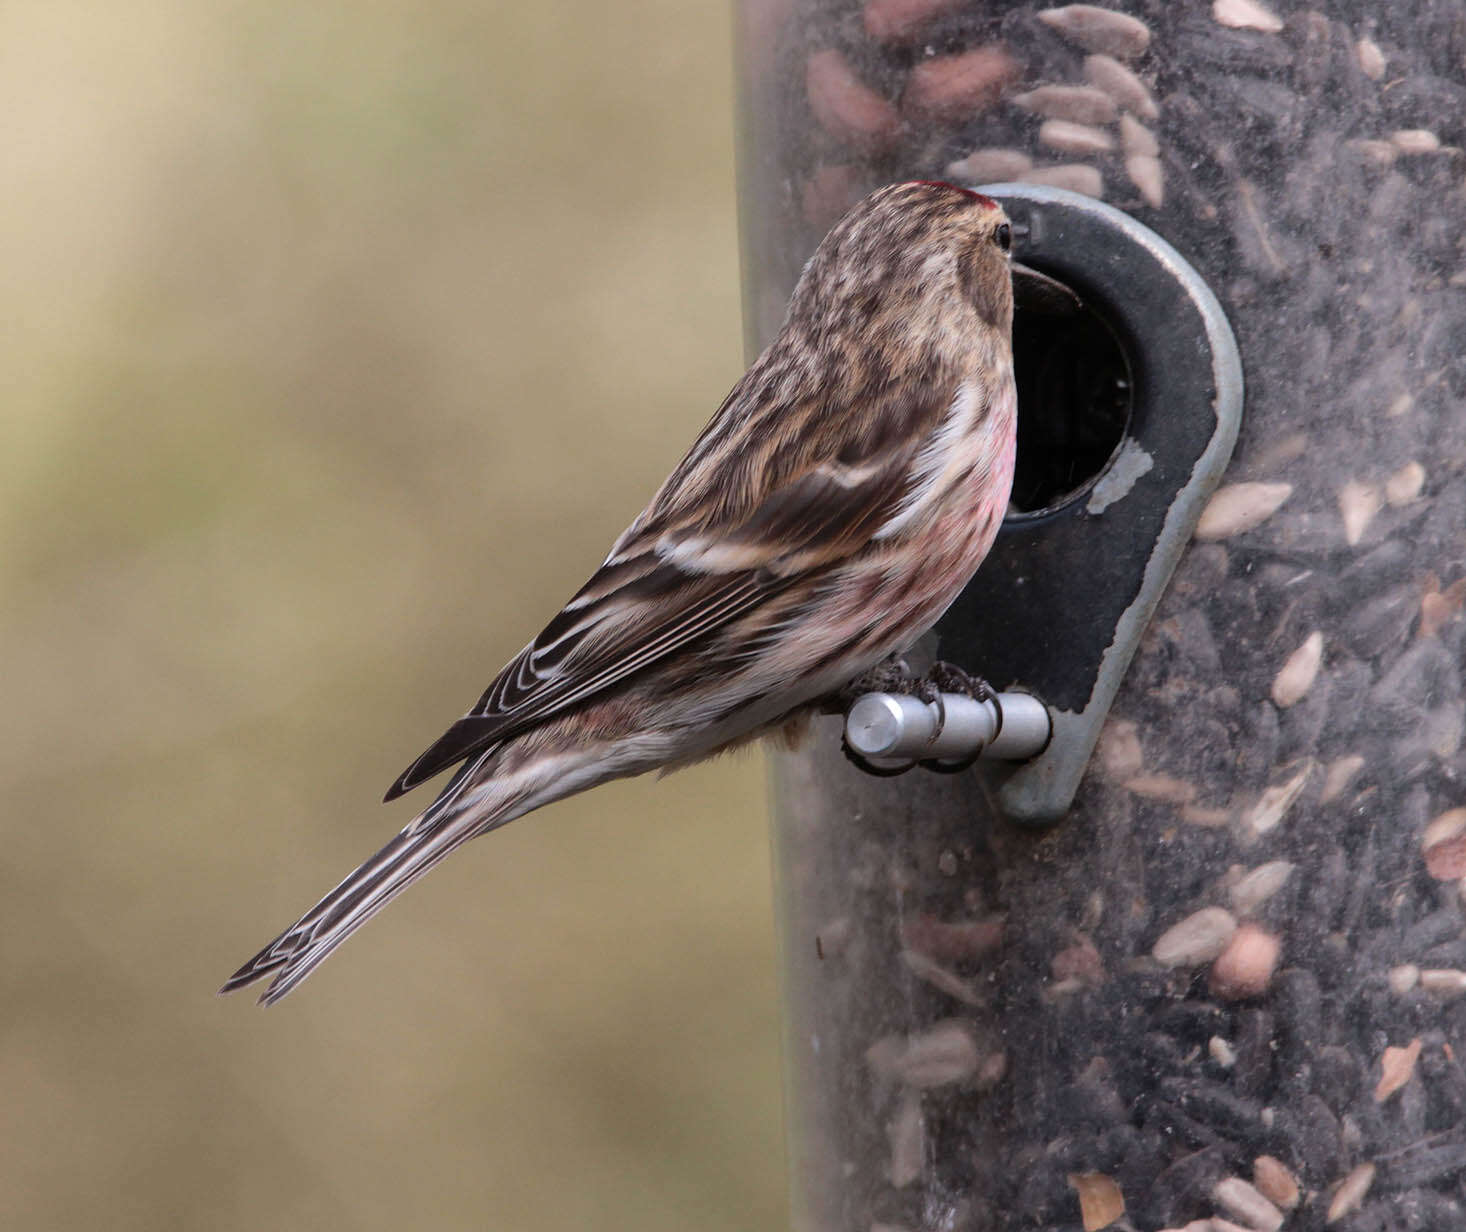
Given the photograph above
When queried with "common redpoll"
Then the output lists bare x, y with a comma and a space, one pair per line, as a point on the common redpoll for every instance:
836, 504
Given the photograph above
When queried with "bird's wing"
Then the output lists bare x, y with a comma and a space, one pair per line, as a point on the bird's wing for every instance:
680, 572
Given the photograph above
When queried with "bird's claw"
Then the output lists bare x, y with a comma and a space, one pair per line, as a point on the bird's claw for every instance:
949, 678
930, 691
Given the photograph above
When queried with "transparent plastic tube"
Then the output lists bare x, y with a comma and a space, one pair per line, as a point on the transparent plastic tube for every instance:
1232, 983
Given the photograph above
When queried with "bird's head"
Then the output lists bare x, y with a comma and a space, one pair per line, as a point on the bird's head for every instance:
911, 252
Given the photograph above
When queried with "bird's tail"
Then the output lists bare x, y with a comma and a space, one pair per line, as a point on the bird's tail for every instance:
454, 818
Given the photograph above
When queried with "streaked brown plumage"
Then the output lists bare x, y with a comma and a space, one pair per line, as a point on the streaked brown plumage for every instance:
836, 504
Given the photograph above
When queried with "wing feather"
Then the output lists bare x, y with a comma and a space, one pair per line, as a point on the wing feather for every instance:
697, 559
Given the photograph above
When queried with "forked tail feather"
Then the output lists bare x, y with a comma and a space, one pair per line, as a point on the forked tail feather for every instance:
448, 823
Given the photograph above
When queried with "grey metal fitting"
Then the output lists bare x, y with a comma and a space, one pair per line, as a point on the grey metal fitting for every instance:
890, 728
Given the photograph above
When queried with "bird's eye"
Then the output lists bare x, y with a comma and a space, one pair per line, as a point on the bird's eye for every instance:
1004, 236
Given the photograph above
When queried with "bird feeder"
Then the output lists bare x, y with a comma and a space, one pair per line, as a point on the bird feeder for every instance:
1203, 956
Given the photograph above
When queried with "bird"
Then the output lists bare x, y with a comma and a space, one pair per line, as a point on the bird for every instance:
834, 506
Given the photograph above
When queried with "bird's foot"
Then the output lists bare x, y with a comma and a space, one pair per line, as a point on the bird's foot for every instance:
894, 675
949, 678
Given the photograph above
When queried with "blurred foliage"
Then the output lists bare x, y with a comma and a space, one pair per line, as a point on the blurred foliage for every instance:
338, 341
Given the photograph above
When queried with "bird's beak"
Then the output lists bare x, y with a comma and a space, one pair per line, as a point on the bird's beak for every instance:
1035, 292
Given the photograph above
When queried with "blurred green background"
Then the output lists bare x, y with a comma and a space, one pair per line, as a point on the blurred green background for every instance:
338, 341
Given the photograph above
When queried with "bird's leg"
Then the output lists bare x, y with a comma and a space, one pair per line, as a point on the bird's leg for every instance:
894, 675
